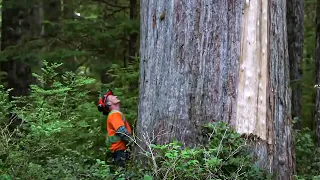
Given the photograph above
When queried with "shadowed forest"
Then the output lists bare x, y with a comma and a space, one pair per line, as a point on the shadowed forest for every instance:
211, 89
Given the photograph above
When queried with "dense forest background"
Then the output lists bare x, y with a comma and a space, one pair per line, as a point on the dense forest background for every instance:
69, 52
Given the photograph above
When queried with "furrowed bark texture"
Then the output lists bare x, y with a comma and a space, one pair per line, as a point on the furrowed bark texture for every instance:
189, 57
204, 61
295, 21
279, 102
317, 54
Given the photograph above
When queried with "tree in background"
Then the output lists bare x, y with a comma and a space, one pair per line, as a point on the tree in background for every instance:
317, 59
83, 34
64, 135
211, 61
52, 14
295, 29
133, 36
21, 22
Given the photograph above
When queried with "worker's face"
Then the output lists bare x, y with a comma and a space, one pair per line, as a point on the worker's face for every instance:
113, 99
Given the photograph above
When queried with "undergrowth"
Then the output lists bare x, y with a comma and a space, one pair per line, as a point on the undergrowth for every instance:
224, 157
307, 155
57, 133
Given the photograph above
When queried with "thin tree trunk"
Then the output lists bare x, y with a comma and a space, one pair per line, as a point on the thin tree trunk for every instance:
317, 57
295, 22
133, 36
205, 61
68, 9
52, 13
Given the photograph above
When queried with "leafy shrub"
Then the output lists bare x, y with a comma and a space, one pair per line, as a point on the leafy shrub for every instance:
224, 157
64, 139
307, 155
125, 85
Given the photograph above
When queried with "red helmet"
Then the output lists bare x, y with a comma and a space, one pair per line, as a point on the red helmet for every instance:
102, 102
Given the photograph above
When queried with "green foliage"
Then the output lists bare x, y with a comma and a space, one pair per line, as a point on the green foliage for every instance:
64, 138
5, 134
307, 155
308, 65
5, 104
125, 85
63, 135
225, 156
95, 40
57, 133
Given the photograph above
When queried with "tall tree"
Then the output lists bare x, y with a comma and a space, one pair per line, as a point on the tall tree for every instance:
295, 23
52, 13
68, 9
133, 36
317, 58
204, 61
21, 22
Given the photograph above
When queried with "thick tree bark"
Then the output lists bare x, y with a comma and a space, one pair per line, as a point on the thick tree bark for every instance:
205, 61
295, 22
279, 93
317, 57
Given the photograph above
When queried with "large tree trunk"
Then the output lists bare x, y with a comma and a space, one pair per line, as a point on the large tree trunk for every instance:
295, 22
317, 54
21, 21
204, 61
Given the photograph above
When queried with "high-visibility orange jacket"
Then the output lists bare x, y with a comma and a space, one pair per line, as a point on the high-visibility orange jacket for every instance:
115, 120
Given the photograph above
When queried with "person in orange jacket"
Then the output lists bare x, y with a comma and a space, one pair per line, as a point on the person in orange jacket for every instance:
118, 128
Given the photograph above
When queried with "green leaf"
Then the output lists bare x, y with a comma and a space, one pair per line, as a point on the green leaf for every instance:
147, 177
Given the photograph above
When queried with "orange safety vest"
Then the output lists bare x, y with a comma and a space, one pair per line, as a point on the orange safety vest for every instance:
115, 120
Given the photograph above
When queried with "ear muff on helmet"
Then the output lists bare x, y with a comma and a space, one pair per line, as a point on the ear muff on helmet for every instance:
102, 103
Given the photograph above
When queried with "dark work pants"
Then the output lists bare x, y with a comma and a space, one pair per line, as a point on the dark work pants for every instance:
120, 157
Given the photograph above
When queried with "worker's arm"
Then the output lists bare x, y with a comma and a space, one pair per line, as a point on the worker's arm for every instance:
119, 126
124, 134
